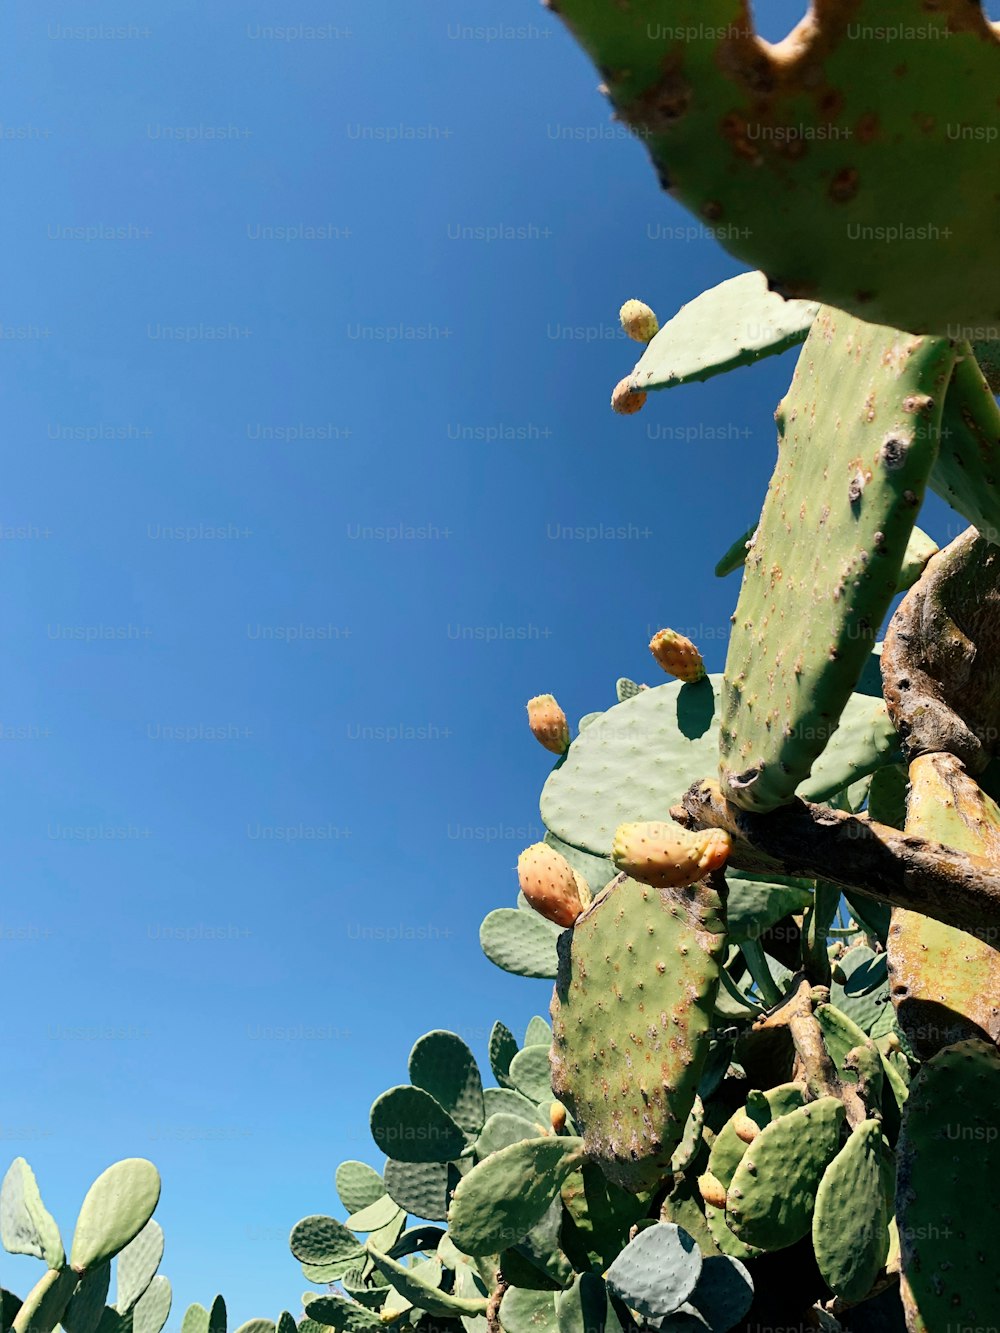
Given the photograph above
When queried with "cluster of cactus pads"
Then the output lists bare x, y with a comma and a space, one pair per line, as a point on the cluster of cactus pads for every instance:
115, 1225
768, 901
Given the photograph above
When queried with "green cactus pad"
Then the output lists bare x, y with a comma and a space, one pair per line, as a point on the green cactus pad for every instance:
724, 1238
946, 1198
627, 689
520, 941
502, 1049
538, 1032
365, 1285
850, 1226
852, 468
735, 557
86, 1307
257, 1326
45, 1304
218, 1317
286, 1323
967, 470
443, 1065
585, 1307
598, 1217
864, 994
501, 1130
26, 1225
116, 1208
152, 1309
657, 1271
722, 1296
509, 1100
324, 1240
730, 325
525, 1311
422, 1188
137, 1265
195, 1320
757, 902
632, 764
798, 154
686, 1151
631, 1015
770, 1200
409, 1125
919, 548
530, 1073
358, 1185
419, 1292
418, 1239
542, 1245
640, 758
377, 1215
502, 1198
728, 1148
332, 1311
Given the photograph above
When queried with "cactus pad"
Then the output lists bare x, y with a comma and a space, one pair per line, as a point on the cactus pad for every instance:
631, 1011
800, 154
26, 1225
358, 1185
770, 1200
733, 324
137, 1265
657, 1271
116, 1208
946, 1201
967, 470
520, 941
945, 982
850, 1225
858, 435
505, 1195
443, 1065
152, 1310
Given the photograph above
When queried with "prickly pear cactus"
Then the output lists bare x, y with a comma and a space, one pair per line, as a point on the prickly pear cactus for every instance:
630, 1016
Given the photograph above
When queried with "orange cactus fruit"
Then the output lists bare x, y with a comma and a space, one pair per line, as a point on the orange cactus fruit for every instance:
549, 883
668, 856
677, 655
548, 723
638, 321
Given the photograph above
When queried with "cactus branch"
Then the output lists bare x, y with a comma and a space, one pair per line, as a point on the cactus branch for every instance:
857, 853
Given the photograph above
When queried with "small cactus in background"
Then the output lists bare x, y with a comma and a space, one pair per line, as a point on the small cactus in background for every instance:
638, 321
548, 723
677, 655
668, 856
626, 398
553, 888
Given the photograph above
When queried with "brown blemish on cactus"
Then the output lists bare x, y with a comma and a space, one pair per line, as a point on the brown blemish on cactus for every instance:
893, 452
844, 185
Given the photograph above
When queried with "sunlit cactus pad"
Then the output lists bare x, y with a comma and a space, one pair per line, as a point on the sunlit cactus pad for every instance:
631, 1015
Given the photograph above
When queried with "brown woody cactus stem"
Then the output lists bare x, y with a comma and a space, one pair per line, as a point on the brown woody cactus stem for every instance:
813, 841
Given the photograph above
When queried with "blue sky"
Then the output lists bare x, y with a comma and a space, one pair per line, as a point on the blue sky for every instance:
288, 532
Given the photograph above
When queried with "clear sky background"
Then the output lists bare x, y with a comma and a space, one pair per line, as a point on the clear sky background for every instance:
262, 731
